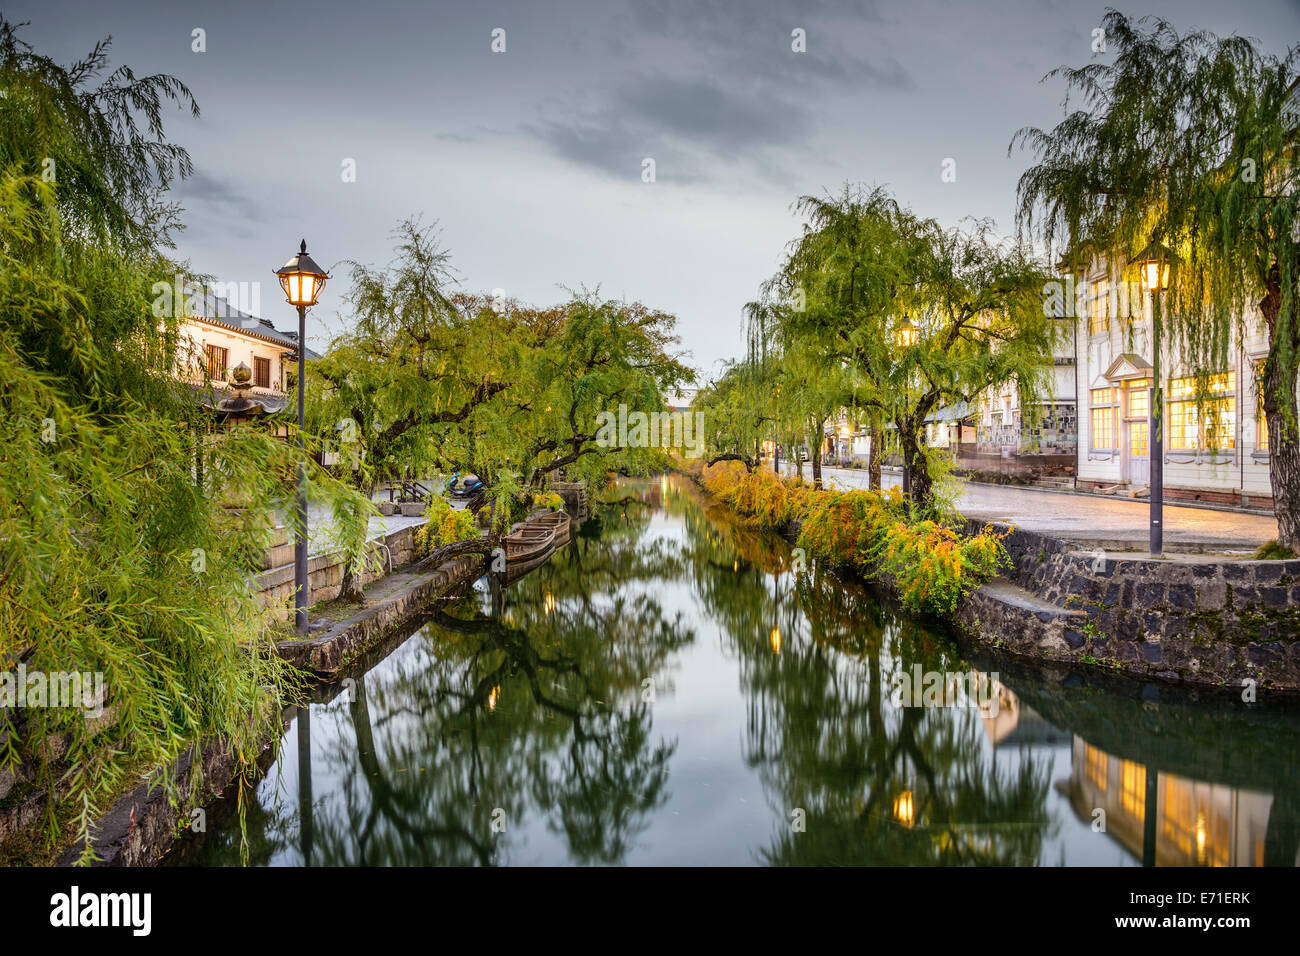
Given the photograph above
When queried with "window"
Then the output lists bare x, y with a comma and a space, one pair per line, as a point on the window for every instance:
1099, 313
1137, 439
1208, 425
217, 360
1139, 399
1094, 767
1261, 420
1192, 824
1105, 407
261, 372
1133, 788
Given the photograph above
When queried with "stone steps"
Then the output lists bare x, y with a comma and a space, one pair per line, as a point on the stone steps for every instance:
1006, 614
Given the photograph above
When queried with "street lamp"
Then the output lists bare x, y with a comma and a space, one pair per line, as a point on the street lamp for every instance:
302, 281
1153, 262
906, 335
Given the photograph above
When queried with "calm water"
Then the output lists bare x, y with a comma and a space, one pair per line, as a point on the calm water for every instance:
667, 691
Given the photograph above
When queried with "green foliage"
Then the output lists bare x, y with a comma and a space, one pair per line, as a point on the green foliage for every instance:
440, 381
1272, 551
548, 500
828, 327
931, 565
443, 525
129, 527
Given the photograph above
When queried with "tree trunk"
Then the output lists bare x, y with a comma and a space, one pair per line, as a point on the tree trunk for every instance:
1281, 417
351, 591
817, 455
917, 465
877, 446
749, 463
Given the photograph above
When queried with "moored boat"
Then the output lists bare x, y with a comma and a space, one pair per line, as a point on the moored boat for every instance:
559, 520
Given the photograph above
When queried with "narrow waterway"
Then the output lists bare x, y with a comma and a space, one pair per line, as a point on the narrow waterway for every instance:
668, 690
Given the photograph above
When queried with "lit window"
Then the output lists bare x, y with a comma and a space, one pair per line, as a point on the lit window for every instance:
1139, 399
261, 372
1099, 321
1105, 409
1208, 425
1133, 788
1137, 439
1094, 767
1261, 420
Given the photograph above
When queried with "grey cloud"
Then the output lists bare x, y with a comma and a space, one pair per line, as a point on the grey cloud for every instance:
210, 191
686, 124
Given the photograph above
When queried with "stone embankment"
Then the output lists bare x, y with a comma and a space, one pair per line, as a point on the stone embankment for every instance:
1195, 619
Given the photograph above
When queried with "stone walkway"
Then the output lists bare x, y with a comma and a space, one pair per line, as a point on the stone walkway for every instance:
1120, 523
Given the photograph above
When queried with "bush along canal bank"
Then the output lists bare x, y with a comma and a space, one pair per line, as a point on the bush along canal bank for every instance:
1192, 619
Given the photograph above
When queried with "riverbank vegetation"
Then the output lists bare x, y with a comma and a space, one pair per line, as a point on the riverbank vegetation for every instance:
890, 316
120, 560
930, 563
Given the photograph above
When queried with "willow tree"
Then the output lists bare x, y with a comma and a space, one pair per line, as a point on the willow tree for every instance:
1191, 141
578, 366
412, 366
116, 559
838, 283
915, 316
435, 379
738, 409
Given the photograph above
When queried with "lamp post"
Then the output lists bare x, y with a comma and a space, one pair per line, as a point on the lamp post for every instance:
1153, 261
302, 281
906, 336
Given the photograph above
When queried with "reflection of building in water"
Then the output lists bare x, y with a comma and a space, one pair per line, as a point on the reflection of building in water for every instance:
1012, 722
1196, 823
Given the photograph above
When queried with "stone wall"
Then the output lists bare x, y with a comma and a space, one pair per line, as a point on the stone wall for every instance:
274, 588
1191, 620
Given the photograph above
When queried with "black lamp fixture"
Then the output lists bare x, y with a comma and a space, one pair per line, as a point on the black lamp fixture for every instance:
302, 280
1154, 263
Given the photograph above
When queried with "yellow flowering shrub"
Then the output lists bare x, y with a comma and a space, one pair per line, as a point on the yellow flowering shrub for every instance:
443, 525
931, 565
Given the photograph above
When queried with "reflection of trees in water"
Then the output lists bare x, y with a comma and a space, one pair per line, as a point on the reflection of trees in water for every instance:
539, 708
819, 657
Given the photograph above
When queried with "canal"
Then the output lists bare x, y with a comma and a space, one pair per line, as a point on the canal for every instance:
669, 690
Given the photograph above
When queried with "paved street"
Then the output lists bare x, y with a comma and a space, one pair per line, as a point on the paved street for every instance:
1106, 521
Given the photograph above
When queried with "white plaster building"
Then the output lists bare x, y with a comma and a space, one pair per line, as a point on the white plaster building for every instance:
1216, 451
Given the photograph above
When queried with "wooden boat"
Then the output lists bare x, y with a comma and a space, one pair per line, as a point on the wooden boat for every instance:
559, 520
525, 542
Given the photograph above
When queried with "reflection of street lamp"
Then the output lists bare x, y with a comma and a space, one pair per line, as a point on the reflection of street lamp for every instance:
905, 809
302, 281
906, 336
1153, 262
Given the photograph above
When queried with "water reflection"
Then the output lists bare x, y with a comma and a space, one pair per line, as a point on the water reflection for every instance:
668, 690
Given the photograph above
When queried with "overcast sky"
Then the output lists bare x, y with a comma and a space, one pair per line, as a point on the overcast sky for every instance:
531, 159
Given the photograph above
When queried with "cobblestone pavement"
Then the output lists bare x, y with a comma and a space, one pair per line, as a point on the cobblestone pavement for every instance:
1108, 521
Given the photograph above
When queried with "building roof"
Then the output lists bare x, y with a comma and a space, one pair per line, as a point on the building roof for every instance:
219, 312
951, 413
